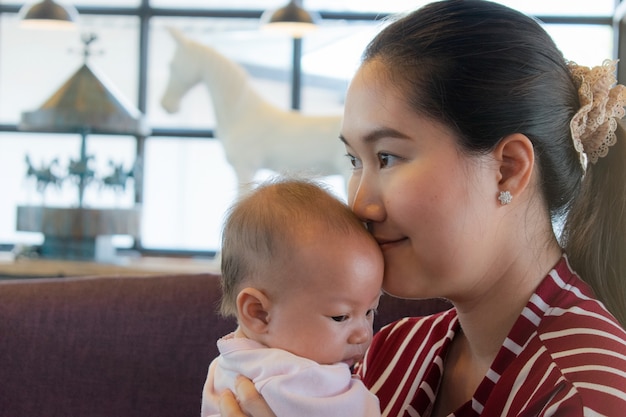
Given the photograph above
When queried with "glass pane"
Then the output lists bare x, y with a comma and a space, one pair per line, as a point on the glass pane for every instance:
220, 4
329, 5
586, 45
98, 3
563, 7
196, 109
55, 151
197, 184
364, 6
537, 7
106, 3
185, 199
35, 63
188, 186
328, 62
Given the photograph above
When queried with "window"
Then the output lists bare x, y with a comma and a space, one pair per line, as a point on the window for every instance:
187, 182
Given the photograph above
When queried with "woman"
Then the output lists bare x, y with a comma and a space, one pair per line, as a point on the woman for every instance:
472, 139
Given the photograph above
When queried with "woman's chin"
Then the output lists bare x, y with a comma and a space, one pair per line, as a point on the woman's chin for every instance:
403, 285
399, 291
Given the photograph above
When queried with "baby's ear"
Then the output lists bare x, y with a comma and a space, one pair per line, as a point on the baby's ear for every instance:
252, 309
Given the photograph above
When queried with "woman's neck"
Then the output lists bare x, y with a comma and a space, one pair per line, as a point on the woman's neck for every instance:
487, 320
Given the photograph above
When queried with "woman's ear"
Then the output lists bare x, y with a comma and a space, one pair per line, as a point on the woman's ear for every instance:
516, 157
252, 310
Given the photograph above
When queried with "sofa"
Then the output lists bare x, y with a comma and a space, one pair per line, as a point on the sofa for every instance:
118, 345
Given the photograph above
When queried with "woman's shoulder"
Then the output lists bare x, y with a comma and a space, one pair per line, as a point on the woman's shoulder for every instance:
586, 348
580, 340
579, 331
570, 311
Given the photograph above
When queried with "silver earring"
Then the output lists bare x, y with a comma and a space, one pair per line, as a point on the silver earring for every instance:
505, 197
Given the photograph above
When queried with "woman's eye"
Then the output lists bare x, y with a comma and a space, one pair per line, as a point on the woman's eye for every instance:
340, 318
354, 161
384, 159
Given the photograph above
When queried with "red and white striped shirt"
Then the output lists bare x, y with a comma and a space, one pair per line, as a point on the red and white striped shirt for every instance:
564, 356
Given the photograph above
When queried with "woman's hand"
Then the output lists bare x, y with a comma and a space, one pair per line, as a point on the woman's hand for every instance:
250, 403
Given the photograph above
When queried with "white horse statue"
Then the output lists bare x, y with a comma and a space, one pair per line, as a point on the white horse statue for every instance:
254, 133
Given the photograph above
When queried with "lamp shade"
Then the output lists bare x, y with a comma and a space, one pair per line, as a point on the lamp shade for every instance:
48, 14
291, 18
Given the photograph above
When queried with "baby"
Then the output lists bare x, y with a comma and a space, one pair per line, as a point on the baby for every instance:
303, 277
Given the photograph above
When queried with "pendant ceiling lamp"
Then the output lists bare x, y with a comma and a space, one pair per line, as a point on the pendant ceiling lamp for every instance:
48, 14
291, 18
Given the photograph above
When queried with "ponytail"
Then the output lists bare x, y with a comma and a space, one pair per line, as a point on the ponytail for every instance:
595, 229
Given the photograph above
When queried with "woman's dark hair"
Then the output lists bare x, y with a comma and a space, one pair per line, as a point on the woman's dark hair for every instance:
488, 71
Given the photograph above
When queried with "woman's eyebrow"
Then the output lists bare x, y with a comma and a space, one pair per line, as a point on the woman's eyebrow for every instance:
374, 135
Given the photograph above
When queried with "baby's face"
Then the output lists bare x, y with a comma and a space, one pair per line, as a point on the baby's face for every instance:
326, 311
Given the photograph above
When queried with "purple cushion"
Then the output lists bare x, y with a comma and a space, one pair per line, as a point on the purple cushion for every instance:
107, 346
118, 346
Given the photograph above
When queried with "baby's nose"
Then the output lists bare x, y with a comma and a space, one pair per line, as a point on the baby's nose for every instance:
361, 334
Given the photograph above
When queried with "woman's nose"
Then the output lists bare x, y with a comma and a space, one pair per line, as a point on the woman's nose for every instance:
364, 201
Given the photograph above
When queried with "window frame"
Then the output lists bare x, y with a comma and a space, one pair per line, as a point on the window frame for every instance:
145, 12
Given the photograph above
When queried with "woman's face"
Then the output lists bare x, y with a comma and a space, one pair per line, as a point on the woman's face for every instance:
427, 203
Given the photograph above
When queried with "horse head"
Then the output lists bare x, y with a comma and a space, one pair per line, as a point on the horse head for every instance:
184, 73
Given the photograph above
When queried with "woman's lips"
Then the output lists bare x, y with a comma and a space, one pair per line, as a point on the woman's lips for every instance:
389, 243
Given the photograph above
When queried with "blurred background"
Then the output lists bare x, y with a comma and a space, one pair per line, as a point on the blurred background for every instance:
184, 183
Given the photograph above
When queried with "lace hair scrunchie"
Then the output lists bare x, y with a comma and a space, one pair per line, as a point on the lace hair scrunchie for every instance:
601, 105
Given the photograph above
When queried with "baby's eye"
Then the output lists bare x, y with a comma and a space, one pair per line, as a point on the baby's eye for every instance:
372, 312
340, 318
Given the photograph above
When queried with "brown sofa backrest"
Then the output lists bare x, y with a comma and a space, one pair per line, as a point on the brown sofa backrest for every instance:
117, 346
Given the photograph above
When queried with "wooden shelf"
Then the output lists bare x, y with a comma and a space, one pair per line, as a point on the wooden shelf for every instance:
26, 267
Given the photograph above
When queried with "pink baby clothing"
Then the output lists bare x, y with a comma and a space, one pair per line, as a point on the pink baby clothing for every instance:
291, 385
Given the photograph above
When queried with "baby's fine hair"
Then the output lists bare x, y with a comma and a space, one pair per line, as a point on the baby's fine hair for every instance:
263, 227
487, 71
